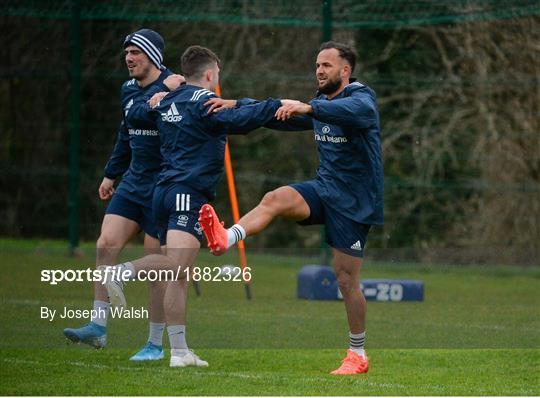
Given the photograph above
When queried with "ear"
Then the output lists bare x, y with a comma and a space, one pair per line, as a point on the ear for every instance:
346, 71
208, 75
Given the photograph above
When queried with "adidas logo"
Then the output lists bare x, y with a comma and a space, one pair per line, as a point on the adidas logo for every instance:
172, 115
357, 246
126, 109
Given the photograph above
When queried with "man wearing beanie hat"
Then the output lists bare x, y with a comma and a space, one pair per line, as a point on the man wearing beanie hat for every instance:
193, 148
149, 42
136, 157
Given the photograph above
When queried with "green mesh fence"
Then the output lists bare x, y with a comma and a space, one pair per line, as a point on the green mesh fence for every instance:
302, 13
458, 91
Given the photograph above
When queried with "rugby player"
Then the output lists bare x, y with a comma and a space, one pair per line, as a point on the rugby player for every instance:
192, 148
136, 158
347, 193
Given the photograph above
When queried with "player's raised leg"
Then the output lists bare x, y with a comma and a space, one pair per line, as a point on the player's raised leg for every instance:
347, 269
283, 202
116, 231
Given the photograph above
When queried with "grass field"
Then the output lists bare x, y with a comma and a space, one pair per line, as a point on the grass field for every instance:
476, 333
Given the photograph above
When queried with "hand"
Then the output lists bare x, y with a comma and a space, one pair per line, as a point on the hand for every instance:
291, 108
218, 104
156, 98
174, 81
106, 189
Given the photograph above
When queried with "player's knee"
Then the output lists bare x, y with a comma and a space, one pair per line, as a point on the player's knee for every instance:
106, 241
158, 286
276, 201
270, 201
347, 283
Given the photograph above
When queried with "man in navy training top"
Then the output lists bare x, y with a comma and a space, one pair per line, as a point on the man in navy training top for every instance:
347, 193
137, 159
192, 148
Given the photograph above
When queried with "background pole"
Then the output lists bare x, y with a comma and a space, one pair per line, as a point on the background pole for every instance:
326, 36
74, 125
234, 207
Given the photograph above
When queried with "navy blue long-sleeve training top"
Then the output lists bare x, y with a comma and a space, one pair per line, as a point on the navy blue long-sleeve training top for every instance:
347, 131
193, 141
136, 154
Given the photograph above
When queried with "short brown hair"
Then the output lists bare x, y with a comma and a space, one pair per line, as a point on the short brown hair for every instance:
346, 52
196, 59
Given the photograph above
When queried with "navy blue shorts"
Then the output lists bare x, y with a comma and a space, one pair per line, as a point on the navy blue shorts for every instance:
176, 207
342, 233
121, 205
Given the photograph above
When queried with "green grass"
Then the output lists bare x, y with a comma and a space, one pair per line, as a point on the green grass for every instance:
476, 333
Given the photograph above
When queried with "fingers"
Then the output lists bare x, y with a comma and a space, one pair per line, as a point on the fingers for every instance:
213, 108
218, 104
105, 192
280, 114
285, 112
104, 195
156, 98
291, 108
212, 101
174, 81
215, 103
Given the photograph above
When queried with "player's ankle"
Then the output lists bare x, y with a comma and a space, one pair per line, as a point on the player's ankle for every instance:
356, 343
235, 234
360, 351
176, 352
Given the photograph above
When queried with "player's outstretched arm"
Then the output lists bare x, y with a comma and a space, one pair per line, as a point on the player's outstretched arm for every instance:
357, 111
293, 115
217, 104
292, 108
298, 123
246, 118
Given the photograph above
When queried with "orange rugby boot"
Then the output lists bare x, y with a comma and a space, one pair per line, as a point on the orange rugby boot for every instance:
215, 233
352, 364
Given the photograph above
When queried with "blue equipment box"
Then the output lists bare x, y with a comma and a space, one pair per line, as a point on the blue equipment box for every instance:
317, 282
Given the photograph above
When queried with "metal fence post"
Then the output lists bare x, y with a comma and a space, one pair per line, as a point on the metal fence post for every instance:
74, 125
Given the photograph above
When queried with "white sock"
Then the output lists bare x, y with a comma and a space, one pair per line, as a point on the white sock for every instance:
99, 315
235, 234
179, 352
155, 336
356, 343
177, 337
